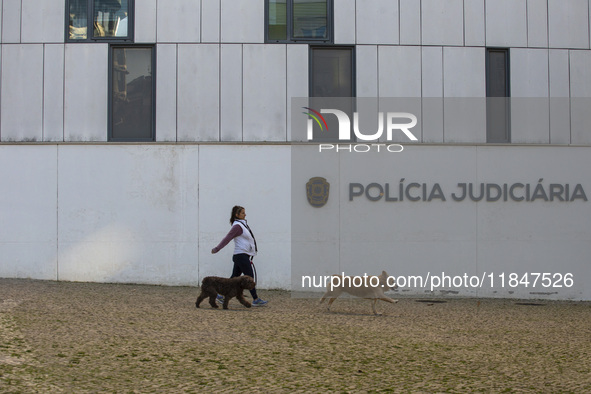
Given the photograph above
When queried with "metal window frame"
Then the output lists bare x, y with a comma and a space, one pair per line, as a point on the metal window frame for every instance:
110, 137
507, 89
289, 26
90, 23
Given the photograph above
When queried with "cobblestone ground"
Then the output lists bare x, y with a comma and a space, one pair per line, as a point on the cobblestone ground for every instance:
78, 337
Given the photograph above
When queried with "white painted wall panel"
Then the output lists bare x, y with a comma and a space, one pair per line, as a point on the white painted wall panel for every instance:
11, 21
166, 92
432, 93
53, 92
537, 23
432, 71
537, 235
506, 23
145, 21
22, 92
410, 22
198, 92
28, 204
580, 74
568, 23
297, 77
367, 86
264, 93
530, 122
455, 237
400, 76
41, 21
367, 70
442, 22
243, 21
377, 22
559, 96
464, 89
210, 21
580, 88
263, 188
399, 71
86, 92
231, 92
1, 9
179, 21
464, 72
474, 26
559, 72
131, 221
344, 22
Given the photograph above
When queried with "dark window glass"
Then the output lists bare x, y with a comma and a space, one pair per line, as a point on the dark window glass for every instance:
298, 21
132, 94
109, 20
331, 72
332, 86
498, 108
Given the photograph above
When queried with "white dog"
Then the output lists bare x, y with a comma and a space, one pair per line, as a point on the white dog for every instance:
372, 289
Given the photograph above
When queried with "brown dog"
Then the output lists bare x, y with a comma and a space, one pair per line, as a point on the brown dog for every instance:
347, 285
211, 286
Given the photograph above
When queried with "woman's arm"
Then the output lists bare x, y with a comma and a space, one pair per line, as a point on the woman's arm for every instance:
235, 231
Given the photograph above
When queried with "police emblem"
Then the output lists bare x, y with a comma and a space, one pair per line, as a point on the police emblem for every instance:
317, 190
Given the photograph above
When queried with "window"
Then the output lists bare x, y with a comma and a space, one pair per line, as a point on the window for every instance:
332, 84
131, 93
99, 20
498, 106
331, 72
298, 21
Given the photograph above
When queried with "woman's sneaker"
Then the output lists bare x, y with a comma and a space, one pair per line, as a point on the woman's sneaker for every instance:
259, 302
220, 299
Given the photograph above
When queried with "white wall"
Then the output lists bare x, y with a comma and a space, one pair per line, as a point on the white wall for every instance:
198, 92
22, 92
530, 121
28, 213
215, 76
85, 92
105, 213
452, 237
139, 214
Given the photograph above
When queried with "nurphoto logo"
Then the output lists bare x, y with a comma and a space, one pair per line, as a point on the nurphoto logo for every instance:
395, 122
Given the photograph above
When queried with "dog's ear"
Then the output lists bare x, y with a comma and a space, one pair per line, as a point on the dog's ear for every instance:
384, 273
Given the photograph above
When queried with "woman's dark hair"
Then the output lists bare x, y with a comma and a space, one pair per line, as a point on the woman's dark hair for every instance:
235, 211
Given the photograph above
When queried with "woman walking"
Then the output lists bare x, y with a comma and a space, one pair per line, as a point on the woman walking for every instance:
245, 248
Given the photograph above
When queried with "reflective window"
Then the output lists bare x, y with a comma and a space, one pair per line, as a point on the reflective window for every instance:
332, 85
132, 94
298, 21
498, 106
78, 20
108, 19
331, 72
310, 19
277, 20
